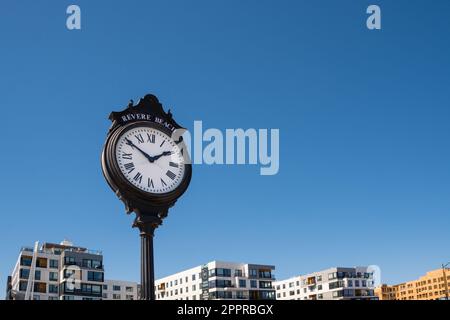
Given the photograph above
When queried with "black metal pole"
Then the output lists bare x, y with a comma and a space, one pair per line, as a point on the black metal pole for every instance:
147, 267
147, 223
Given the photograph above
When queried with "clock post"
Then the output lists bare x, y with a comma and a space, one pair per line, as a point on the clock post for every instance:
148, 169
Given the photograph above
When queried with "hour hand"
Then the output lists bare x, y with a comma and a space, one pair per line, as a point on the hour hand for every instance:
165, 153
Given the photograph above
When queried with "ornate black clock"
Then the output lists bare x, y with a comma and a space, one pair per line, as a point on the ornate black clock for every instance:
145, 162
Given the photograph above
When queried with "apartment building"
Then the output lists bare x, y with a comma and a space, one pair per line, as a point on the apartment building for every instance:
332, 284
59, 272
219, 280
432, 286
120, 290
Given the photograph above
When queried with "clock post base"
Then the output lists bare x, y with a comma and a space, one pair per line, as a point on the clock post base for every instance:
147, 225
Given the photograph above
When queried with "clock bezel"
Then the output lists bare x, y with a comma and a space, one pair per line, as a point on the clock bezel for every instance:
117, 179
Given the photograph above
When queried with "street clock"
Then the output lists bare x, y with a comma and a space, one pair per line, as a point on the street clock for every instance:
146, 164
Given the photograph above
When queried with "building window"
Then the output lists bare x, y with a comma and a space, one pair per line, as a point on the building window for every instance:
37, 275
337, 294
291, 284
40, 287
69, 261
105, 287
53, 276
253, 284
319, 278
25, 261
181, 280
265, 274
176, 282
220, 283
319, 287
91, 288
41, 263
95, 276
193, 287
356, 283
52, 298
116, 288
350, 283
52, 288
92, 264
193, 279
24, 273
220, 272
68, 298
22, 286
129, 289
267, 295
332, 276
221, 295
53, 264
238, 273
291, 293
336, 284
116, 296
129, 297
242, 283
265, 284
253, 273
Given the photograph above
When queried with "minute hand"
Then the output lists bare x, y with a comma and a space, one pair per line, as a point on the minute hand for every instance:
131, 144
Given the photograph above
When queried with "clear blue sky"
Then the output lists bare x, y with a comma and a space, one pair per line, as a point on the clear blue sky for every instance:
363, 117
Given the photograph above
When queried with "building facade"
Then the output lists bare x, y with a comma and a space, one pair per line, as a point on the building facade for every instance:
434, 285
58, 272
331, 284
120, 290
219, 280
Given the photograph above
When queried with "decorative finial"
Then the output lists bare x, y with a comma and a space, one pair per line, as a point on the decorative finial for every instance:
131, 103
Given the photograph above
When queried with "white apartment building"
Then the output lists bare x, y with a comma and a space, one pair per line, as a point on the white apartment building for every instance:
219, 280
331, 284
62, 272
120, 290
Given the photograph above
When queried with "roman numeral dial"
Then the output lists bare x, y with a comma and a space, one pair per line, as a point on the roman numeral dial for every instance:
150, 160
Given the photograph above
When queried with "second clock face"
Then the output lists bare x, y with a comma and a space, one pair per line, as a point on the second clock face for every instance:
150, 160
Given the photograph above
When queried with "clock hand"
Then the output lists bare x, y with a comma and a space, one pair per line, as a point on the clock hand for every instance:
165, 153
131, 144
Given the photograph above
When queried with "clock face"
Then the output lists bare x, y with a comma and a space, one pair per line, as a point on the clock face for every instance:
150, 160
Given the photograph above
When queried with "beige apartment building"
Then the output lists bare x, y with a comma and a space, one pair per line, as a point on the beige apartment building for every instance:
432, 286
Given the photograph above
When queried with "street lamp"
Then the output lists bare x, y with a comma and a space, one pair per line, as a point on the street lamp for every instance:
444, 266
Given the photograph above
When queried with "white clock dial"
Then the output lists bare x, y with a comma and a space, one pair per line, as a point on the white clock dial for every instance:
150, 160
